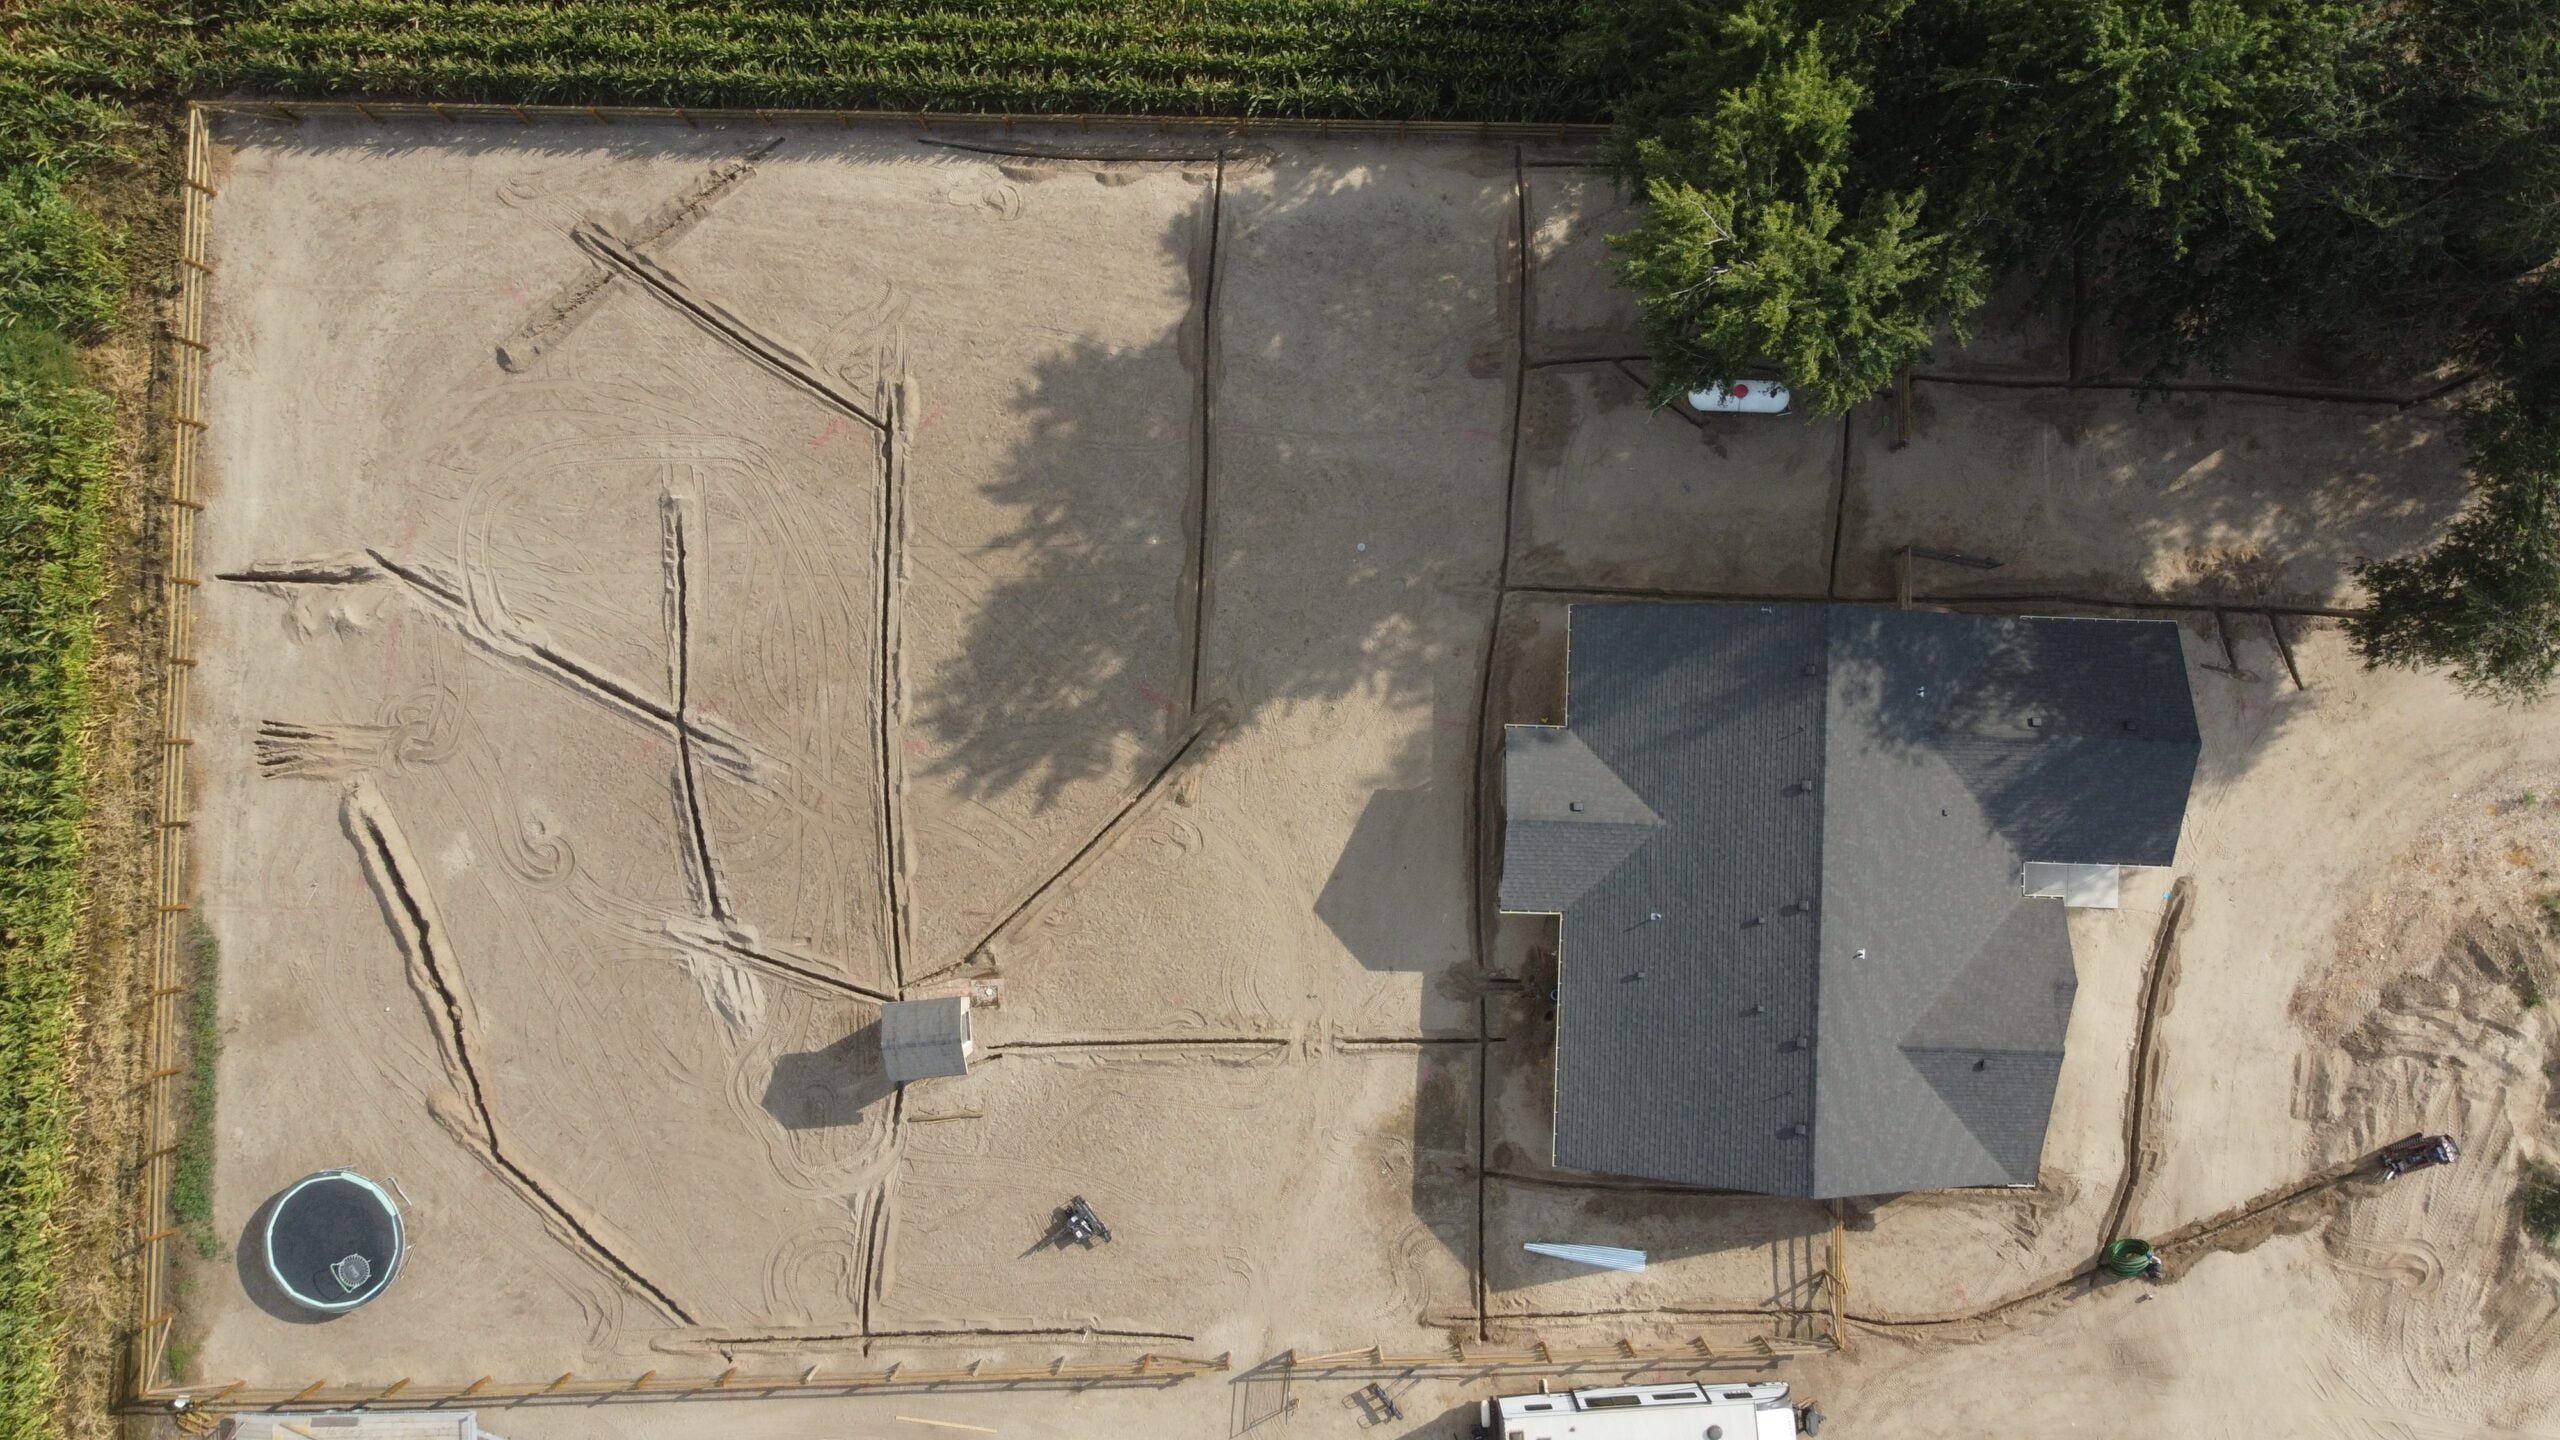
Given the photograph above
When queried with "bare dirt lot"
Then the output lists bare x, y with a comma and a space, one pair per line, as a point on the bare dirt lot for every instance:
671, 590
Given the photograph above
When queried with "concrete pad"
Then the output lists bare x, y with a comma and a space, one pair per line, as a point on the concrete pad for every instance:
1616, 495
2097, 493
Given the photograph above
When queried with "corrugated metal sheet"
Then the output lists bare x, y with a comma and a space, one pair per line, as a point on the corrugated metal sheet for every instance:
1606, 1257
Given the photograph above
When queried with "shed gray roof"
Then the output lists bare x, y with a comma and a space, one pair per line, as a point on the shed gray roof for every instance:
920, 1039
1827, 807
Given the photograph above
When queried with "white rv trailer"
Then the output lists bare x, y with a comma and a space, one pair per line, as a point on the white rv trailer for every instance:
1684, 1411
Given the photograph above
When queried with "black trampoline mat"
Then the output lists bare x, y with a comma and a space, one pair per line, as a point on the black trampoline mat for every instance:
324, 1222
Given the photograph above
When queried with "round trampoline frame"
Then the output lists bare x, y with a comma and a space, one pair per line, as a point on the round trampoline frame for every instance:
389, 1269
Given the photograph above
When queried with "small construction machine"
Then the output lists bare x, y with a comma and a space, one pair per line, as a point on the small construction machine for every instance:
1076, 1224
2417, 1152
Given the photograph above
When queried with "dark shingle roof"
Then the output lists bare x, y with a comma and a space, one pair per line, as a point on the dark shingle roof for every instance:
1813, 971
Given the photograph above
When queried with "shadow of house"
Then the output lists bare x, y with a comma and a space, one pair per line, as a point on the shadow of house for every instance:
1785, 847
1384, 890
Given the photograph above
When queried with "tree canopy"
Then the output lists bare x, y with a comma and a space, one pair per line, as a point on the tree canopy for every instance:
1831, 184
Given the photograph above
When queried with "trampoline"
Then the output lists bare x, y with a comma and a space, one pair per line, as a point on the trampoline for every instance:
333, 1241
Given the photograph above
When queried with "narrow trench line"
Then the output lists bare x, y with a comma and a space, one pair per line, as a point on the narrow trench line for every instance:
1560, 362
2164, 951
1059, 1332
596, 241
1040, 893
1840, 505
890, 515
576, 672
2079, 313
416, 915
1140, 1042
680, 662
1476, 800
2087, 602
793, 970
1630, 1187
871, 1261
1208, 532
1015, 152
300, 575
1676, 412
2312, 393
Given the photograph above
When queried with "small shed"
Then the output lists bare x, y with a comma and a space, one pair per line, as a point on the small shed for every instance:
921, 1039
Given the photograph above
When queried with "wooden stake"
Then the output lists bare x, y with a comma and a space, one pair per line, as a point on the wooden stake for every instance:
314, 1388
476, 1386
946, 1425
2284, 647
395, 1388
556, 1384
197, 185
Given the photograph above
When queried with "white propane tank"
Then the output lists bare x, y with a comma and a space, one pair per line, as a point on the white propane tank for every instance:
1742, 397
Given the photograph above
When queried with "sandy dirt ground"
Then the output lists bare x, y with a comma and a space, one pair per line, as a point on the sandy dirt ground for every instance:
671, 591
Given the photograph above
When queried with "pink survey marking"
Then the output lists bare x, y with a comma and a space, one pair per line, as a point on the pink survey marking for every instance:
1148, 694
827, 437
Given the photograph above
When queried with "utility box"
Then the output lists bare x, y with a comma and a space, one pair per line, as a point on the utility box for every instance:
922, 1039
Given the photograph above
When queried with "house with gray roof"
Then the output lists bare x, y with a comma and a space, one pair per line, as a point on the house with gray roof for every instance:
1787, 850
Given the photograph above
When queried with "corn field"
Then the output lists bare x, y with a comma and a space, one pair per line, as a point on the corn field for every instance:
1374, 59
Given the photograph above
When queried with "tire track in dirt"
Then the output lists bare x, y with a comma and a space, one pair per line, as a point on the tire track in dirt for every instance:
384, 854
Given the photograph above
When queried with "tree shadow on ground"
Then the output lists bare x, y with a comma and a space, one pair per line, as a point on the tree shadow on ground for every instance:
1087, 659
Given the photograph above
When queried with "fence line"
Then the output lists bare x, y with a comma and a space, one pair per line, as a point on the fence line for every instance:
404, 1394
1462, 1358
924, 121
159, 1228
